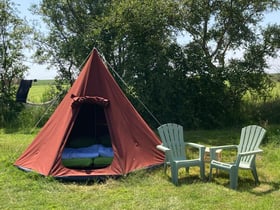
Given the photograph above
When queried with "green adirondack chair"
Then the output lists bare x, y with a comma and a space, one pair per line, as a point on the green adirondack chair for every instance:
250, 139
174, 147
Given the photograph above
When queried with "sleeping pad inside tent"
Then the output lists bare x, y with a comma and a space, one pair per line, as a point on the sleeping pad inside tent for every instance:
89, 144
94, 131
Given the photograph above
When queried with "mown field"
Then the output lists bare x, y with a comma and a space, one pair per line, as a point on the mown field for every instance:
144, 189
38, 90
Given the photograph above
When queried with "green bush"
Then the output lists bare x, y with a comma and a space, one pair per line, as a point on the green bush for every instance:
33, 115
9, 110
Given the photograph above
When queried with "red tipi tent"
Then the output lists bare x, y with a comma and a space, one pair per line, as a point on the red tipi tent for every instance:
95, 91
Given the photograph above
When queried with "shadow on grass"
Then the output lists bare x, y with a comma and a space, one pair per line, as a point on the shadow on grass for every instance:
184, 178
247, 184
190, 179
265, 188
103, 179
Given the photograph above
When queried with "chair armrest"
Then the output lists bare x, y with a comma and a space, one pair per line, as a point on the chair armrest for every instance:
224, 147
251, 152
194, 145
167, 152
162, 148
242, 154
200, 147
215, 148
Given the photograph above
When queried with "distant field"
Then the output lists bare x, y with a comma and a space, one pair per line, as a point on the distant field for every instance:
38, 89
275, 77
43, 82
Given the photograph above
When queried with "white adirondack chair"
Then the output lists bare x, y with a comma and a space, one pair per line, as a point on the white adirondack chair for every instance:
250, 139
174, 147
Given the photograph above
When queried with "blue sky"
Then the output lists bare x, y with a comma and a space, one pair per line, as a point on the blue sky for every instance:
41, 72
36, 71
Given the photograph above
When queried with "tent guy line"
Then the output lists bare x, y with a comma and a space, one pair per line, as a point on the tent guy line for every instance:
136, 97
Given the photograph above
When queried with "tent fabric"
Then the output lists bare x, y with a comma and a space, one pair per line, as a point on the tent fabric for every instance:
133, 141
23, 90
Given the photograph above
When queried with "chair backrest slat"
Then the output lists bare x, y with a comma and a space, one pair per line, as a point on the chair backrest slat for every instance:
172, 137
250, 140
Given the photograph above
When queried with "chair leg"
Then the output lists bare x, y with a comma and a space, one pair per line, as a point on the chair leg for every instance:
202, 171
255, 175
165, 167
233, 178
174, 174
210, 173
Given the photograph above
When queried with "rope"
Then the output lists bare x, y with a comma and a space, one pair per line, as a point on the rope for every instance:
39, 104
85, 60
51, 102
126, 85
45, 112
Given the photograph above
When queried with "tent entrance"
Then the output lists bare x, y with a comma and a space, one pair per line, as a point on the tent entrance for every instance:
89, 143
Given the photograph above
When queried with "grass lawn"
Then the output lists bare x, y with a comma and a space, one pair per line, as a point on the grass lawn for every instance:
144, 189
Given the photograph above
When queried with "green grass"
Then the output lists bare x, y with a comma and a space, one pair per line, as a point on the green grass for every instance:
144, 189
38, 89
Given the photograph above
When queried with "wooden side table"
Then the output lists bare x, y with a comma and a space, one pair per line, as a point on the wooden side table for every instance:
208, 159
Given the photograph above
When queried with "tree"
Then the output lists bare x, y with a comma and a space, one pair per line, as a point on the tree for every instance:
135, 37
69, 38
141, 37
199, 84
13, 32
217, 29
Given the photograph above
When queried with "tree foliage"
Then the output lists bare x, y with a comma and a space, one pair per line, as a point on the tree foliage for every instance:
68, 39
13, 32
199, 84
217, 30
